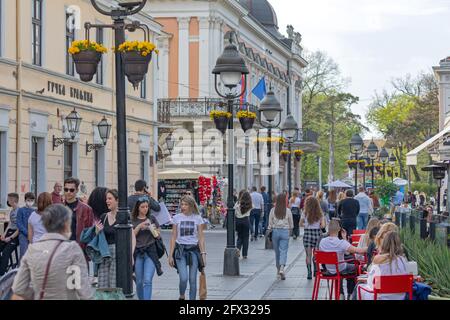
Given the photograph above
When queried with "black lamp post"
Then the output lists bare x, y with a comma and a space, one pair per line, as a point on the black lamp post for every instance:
104, 130
230, 66
372, 151
73, 121
124, 228
271, 109
439, 172
289, 129
393, 162
366, 163
356, 147
384, 158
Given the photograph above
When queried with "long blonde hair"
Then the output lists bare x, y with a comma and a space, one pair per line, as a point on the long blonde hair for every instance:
320, 195
385, 229
294, 196
341, 196
391, 247
190, 201
313, 211
373, 223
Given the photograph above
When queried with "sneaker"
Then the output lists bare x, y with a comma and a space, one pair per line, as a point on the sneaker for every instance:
238, 253
251, 238
244, 257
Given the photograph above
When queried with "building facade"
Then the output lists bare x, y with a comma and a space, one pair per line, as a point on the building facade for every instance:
39, 87
197, 32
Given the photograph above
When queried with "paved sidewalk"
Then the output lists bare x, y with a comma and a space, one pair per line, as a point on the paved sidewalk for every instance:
258, 279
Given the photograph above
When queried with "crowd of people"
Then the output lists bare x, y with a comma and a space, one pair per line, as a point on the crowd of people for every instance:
65, 231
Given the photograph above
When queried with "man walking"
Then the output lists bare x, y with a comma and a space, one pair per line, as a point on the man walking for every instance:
348, 210
9, 240
141, 190
258, 207
365, 207
82, 214
56, 194
266, 210
23, 214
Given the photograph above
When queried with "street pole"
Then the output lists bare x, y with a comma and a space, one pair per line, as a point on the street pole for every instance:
231, 264
356, 175
373, 174
384, 171
364, 178
320, 173
290, 170
268, 244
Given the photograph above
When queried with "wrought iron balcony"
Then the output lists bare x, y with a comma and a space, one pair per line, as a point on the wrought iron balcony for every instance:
176, 108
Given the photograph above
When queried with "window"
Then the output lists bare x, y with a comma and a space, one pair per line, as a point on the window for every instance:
144, 88
142, 166
99, 75
70, 37
34, 166
68, 160
37, 32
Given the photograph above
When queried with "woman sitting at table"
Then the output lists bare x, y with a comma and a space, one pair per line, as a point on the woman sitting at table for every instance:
389, 261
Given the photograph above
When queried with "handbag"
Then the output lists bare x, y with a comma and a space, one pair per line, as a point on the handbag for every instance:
160, 248
202, 291
47, 270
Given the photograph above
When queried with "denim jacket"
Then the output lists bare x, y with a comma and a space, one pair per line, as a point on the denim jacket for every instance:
189, 252
23, 214
97, 247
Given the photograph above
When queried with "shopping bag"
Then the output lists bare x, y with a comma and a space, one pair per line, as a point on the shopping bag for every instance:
163, 216
203, 291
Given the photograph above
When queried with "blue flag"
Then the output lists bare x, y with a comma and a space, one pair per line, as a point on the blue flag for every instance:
260, 90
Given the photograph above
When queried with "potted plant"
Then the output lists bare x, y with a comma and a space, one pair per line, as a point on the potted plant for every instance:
389, 172
86, 56
247, 119
362, 164
369, 168
352, 164
285, 154
136, 55
378, 167
221, 119
298, 154
385, 191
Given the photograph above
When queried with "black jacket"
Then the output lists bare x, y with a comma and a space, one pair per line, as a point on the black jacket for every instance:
190, 252
348, 209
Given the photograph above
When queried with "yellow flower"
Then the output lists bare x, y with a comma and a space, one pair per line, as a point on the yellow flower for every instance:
144, 54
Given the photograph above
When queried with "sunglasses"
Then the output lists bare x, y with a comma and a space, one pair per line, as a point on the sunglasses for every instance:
69, 190
143, 199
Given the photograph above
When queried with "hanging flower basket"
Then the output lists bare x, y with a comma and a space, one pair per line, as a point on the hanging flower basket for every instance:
389, 173
362, 164
298, 154
352, 164
136, 56
247, 119
378, 167
285, 154
86, 56
369, 168
221, 120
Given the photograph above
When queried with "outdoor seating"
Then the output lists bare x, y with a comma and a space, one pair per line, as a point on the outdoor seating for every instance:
390, 285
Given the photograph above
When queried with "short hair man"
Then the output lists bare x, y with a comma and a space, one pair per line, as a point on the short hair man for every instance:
365, 208
266, 211
141, 190
23, 215
9, 240
255, 214
348, 210
332, 243
82, 214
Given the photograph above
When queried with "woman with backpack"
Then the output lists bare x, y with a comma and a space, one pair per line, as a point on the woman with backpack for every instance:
147, 232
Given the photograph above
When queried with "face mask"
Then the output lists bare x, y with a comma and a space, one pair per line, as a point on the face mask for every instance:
29, 204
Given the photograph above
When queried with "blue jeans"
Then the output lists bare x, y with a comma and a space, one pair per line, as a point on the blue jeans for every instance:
186, 275
145, 270
23, 244
362, 220
255, 215
280, 239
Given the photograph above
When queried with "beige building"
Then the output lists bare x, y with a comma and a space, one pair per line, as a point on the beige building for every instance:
39, 88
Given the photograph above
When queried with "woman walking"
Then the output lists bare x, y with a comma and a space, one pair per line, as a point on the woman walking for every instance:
187, 246
280, 224
36, 228
56, 253
313, 221
323, 204
243, 208
294, 205
332, 199
147, 231
97, 201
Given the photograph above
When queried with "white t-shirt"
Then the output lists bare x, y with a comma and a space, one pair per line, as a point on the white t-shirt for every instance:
35, 221
187, 228
334, 244
315, 225
296, 203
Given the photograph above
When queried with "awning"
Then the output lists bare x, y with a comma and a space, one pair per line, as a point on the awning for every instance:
179, 174
411, 157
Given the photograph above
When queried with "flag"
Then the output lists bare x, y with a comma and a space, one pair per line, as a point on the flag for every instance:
243, 99
260, 90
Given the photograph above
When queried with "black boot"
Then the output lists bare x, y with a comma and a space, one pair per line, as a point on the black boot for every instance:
315, 269
309, 271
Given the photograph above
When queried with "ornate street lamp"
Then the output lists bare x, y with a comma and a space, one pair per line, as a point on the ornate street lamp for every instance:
118, 14
73, 121
104, 130
372, 151
230, 67
290, 130
384, 158
356, 147
393, 162
439, 172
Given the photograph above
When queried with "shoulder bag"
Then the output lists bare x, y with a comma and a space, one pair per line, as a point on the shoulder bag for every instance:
47, 270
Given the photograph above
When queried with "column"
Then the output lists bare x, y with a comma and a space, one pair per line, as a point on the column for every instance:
205, 65
183, 57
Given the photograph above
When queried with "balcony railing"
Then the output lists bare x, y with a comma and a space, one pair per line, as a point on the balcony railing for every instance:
174, 108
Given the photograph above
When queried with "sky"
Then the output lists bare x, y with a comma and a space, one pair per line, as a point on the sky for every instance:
373, 41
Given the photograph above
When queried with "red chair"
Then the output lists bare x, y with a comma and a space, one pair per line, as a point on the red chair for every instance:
390, 285
359, 231
355, 239
330, 258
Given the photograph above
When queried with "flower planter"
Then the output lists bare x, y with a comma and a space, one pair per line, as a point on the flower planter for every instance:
362, 166
86, 63
298, 157
351, 166
285, 157
246, 123
135, 66
221, 123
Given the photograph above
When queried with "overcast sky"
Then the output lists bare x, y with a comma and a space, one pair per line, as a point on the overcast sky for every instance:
373, 41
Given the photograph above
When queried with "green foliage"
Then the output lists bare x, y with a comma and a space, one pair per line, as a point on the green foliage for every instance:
385, 189
433, 261
424, 187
